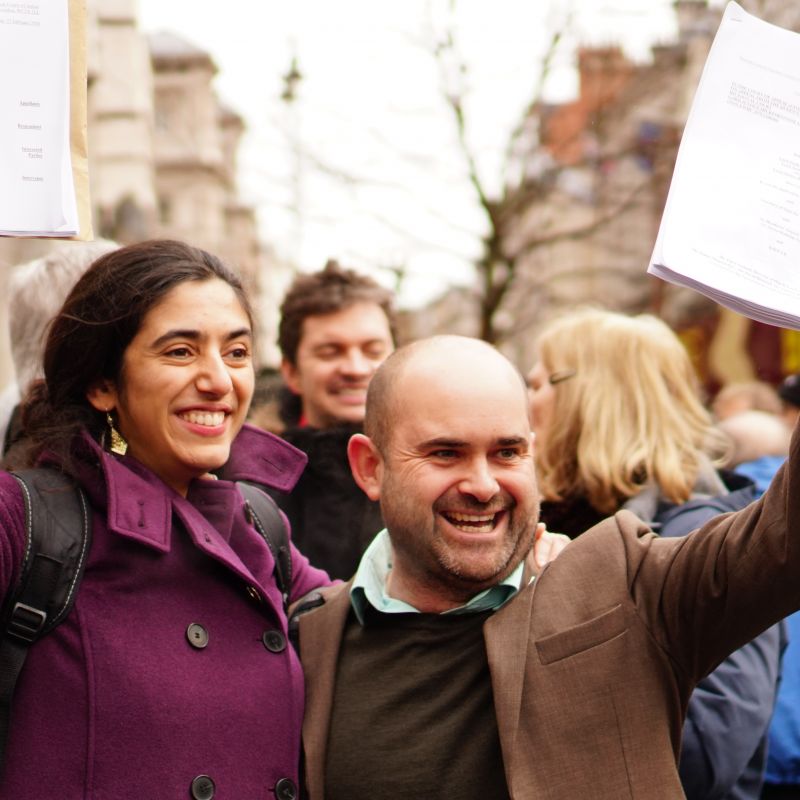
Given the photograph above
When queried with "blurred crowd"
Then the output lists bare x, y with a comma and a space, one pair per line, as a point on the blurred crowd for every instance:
620, 424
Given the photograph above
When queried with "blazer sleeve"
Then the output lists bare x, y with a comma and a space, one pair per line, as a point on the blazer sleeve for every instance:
705, 595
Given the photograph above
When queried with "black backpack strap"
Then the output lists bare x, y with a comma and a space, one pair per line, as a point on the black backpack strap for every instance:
314, 599
57, 544
267, 520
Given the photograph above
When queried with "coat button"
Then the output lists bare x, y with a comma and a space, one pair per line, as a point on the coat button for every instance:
285, 789
197, 635
274, 641
202, 788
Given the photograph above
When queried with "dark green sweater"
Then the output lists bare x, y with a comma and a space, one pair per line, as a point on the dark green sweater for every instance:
413, 713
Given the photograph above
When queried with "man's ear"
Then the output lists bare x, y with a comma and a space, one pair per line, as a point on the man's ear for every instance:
366, 464
290, 375
102, 394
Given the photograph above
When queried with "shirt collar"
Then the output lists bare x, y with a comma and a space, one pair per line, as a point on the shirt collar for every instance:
369, 585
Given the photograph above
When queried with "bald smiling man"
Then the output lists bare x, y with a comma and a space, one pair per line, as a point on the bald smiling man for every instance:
451, 667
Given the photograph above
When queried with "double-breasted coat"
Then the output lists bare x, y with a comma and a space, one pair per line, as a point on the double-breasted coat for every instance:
172, 676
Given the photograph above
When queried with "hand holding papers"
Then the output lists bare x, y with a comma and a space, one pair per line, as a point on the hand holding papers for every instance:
731, 224
38, 194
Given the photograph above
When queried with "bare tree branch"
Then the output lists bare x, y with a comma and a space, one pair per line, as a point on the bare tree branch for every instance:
551, 49
584, 231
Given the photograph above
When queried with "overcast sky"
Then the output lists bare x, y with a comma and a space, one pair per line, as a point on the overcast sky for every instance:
367, 150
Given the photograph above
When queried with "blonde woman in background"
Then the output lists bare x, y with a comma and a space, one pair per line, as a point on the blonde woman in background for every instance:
619, 424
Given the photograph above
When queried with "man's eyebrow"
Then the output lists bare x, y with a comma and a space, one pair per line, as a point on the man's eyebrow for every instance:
443, 442
195, 335
513, 441
339, 342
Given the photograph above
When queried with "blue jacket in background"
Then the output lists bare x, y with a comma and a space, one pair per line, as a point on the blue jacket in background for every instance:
783, 762
761, 471
725, 737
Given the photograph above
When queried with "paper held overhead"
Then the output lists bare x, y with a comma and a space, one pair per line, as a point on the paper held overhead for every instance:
38, 194
731, 224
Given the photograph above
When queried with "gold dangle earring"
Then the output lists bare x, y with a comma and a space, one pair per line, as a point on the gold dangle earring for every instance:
118, 444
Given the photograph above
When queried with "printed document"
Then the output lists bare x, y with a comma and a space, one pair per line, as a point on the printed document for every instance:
731, 224
38, 193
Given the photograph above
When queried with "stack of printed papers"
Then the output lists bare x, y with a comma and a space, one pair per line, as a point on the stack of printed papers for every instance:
731, 224
38, 194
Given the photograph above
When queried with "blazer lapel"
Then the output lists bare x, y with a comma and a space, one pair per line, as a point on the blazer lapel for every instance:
320, 638
507, 635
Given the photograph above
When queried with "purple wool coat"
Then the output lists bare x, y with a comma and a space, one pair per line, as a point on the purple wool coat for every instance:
128, 697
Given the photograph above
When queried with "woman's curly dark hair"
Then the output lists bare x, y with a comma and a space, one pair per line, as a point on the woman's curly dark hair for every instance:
88, 337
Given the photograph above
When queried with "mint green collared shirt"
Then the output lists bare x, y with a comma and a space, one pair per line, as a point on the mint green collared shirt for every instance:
369, 585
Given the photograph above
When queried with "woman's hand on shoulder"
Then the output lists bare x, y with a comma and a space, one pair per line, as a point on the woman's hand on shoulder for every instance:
547, 545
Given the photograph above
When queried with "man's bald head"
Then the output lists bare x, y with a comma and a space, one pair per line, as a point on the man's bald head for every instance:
448, 454
409, 367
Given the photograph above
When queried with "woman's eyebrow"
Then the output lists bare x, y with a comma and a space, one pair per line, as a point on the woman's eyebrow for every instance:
177, 333
195, 335
513, 441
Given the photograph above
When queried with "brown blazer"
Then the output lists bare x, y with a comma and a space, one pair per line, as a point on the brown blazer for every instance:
592, 664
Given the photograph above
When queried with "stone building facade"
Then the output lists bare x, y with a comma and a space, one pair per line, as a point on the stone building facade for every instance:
162, 158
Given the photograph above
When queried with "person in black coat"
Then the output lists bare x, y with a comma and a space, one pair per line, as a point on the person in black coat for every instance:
337, 327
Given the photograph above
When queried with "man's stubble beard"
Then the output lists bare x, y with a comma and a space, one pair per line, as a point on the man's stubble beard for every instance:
425, 552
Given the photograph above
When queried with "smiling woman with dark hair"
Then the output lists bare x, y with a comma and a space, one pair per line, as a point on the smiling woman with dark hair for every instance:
172, 676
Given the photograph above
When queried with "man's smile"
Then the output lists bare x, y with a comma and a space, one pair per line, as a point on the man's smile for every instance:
472, 522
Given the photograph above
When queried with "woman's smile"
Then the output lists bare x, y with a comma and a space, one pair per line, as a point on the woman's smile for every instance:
187, 381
